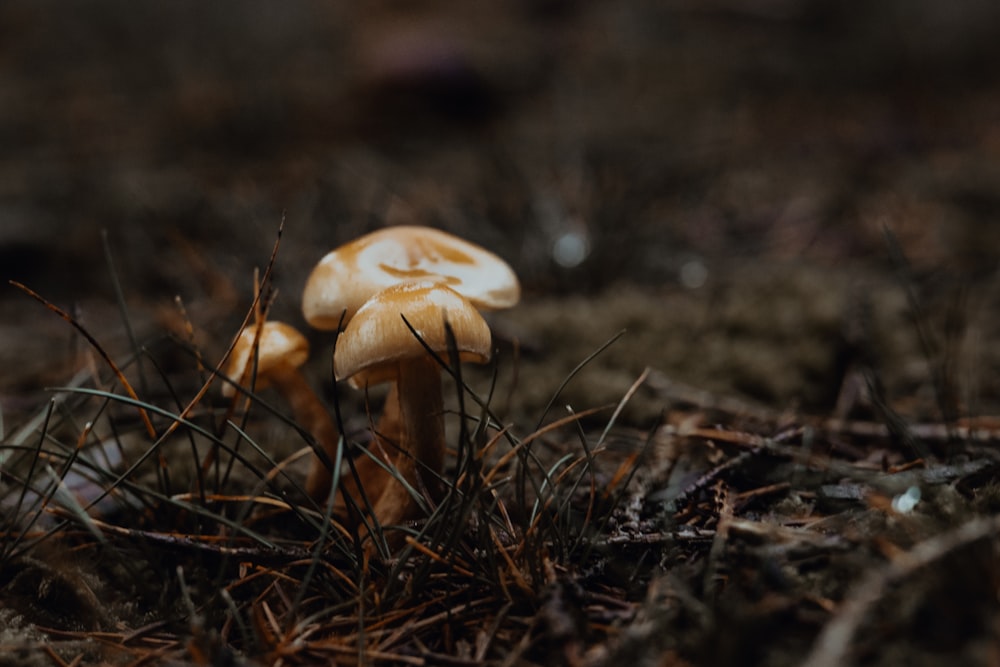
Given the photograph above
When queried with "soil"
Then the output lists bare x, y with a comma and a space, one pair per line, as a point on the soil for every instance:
758, 252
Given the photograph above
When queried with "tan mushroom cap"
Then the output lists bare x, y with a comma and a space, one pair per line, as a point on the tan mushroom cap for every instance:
350, 275
377, 339
279, 344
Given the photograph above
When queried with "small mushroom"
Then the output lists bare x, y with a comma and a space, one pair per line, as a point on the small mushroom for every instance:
280, 351
378, 346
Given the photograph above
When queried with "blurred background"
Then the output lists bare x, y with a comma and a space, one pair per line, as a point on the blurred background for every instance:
701, 173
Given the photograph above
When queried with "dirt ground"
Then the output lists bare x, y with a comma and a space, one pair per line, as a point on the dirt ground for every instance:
780, 216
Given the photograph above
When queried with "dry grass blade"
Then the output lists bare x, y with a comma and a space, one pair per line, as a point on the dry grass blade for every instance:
122, 380
436, 557
574, 372
10, 547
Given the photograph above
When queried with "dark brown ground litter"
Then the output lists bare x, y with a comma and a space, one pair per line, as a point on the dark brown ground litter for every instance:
781, 217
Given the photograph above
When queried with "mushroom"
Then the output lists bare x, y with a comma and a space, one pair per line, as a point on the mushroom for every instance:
352, 274
378, 346
280, 351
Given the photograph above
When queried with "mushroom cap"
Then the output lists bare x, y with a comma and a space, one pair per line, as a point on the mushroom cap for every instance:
279, 344
377, 339
350, 275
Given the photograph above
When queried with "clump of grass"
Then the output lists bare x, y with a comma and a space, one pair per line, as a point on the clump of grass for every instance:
168, 532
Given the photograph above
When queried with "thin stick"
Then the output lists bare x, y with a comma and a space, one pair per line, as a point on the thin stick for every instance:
123, 309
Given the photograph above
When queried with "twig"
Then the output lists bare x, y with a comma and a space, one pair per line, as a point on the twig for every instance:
714, 566
833, 645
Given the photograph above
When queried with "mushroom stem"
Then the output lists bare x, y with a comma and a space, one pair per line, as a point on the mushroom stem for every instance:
421, 444
314, 418
373, 475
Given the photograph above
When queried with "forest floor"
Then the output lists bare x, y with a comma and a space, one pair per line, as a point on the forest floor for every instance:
747, 412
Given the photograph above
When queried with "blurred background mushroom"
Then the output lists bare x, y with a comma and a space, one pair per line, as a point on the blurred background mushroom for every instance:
351, 274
